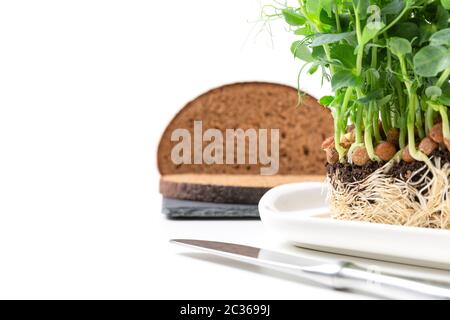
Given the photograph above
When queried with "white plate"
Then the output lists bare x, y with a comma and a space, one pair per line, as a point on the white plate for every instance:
298, 212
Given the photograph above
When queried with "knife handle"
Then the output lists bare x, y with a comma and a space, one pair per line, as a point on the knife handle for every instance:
344, 275
350, 276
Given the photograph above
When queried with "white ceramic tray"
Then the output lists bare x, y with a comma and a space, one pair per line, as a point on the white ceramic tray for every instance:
298, 213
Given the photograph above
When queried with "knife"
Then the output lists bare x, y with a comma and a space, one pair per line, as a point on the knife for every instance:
340, 275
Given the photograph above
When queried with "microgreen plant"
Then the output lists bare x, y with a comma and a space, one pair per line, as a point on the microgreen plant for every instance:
387, 60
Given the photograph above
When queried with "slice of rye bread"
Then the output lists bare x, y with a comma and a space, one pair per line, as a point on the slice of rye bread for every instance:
223, 188
255, 105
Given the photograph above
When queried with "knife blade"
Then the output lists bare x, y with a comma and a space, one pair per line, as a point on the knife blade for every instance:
341, 275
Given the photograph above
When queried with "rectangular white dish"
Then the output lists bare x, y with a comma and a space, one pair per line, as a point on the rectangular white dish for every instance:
298, 212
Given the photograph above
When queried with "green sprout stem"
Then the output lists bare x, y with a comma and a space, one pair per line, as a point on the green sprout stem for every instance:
429, 119
443, 77
373, 63
358, 126
376, 128
419, 123
405, 75
359, 59
403, 131
385, 119
357, 22
416, 154
328, 55
442, 109
397, 19
338, 21
410, 122
359, 120
360, 54
388, 54
393, 119
368, 125
337, 127
337, 135
375, 116
445, 123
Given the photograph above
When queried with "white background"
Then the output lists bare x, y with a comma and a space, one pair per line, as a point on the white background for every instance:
86, 89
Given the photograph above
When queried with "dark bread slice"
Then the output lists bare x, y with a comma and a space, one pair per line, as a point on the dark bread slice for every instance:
216, 190
221, 188
255, 105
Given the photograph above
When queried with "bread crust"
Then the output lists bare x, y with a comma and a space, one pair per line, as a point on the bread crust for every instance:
211, 193
213, 188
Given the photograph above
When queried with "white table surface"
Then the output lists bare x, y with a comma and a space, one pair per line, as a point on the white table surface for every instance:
123, 253
203, 276
215, 277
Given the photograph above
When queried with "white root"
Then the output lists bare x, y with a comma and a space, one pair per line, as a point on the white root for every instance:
381, 198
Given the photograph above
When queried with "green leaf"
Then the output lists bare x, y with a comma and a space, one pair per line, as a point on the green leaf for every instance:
318, 53
313, 7
293, 18
431, 60
327, 5
444, 99
326, 100
446, 4
384, 100
442, 17
407, 30
301, 51
371, 96
305, 31
345, 54
394, 7
433, 92
327, 21
370, 31
441, 38
399, 46
372, 75
344, 78
326, 38
313, 69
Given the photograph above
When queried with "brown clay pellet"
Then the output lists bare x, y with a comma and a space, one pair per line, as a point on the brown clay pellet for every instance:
385, 150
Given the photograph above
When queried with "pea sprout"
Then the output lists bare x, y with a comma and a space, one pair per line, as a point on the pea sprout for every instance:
389, 64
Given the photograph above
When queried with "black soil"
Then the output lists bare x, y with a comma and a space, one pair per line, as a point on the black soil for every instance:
403, 170
352, 173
